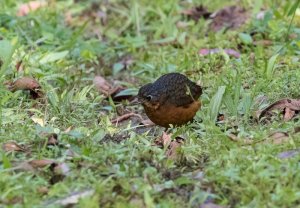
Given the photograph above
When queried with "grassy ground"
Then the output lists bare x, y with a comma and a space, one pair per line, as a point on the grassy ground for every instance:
65, 45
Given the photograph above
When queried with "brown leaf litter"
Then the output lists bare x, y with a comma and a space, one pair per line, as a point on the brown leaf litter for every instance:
278, 137
211, 205
26, 83
197, 12
288, 107
13, 146
172, 146
231, 17
43, 190
235, 138
58, 169
52, 138
108, 89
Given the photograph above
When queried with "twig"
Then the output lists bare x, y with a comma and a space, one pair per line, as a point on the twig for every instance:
126, 116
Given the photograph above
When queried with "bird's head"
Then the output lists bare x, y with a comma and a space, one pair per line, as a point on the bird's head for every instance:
148, 96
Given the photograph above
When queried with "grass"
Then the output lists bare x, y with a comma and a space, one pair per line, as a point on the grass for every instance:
120, 163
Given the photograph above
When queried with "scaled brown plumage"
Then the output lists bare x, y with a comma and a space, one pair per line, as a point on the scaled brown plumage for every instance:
171, 99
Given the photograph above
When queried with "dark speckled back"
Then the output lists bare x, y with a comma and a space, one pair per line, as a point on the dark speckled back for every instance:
173, 88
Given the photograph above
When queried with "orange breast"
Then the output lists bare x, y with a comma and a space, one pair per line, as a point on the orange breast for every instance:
169, 114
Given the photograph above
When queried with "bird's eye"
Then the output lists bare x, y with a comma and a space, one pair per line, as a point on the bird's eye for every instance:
149, 97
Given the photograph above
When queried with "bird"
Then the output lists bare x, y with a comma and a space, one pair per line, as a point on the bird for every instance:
171, 100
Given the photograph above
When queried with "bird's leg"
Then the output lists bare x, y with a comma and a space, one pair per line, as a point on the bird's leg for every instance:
167, 130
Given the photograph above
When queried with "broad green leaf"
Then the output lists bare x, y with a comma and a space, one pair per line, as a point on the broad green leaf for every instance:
183, 180
126, 92
54, 56
215, 103
271, 66
117, 67
5, 50
148, 199
246, 38
257, 6
294, 8
5, 161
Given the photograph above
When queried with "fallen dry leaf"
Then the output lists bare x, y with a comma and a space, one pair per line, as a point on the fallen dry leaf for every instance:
210, 205
19, 66
293, 36
166, 139
52, 139
233, 137
285, 106
288, 114
24, 83
27, 83
230, 52
196, 13
39, 121
12, 146
172, 146
231, 17
24, 9
108, 89
243, 141
102, 85
33, 165
263, 42
278, 137
36, 164
43, 190
58, 170
68, 129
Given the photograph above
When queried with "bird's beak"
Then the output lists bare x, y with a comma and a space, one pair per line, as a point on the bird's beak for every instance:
136, 101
